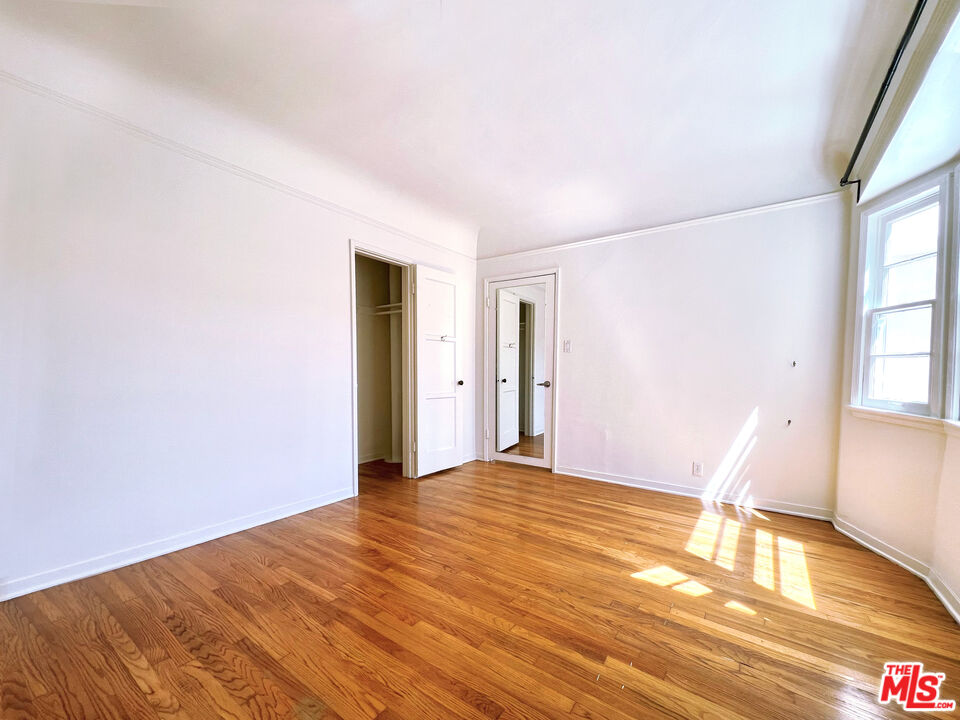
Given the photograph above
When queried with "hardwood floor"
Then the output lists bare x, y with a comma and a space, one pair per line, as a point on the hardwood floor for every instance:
490, 591
529, 446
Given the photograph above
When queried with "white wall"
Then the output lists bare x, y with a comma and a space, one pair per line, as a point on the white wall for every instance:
946, 559
898, 491
374, 360
174, 343
888, 481
679, 334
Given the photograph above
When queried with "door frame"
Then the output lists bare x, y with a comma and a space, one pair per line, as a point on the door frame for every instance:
408, 354
489, 394
504, 366
529, 351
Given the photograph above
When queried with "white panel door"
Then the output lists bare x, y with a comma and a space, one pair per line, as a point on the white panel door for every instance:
508, 369
439, 438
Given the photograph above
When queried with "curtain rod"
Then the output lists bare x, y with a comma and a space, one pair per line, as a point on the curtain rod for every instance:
891, 71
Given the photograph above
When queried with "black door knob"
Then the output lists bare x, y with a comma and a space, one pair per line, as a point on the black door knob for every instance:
459, 382
504, 380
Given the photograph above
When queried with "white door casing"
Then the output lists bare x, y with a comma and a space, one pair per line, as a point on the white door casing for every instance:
439, 411
545, 372
508, 369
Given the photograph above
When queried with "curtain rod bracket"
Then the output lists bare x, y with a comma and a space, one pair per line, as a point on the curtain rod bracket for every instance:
846, 183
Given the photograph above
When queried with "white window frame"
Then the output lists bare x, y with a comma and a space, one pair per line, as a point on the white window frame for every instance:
874, 218
951, 299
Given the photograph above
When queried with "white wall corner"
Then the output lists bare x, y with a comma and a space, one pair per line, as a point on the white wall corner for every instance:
871, 542
370, 457
947, 595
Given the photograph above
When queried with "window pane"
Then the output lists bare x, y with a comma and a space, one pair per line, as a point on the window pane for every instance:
902, 331
900, 379
913, 235
910, 282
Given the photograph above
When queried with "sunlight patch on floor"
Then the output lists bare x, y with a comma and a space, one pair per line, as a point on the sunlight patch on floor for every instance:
740, 607
662, 576
703, 539
692, 587
763, 560
794, 576
727, 554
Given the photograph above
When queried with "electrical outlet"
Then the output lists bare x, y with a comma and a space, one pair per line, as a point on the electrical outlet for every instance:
697, 469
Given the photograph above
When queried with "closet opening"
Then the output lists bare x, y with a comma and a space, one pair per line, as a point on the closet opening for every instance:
382, 366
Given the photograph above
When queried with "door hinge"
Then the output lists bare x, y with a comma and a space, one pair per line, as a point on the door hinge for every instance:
486, 433
488, 300
414, 445
413, 288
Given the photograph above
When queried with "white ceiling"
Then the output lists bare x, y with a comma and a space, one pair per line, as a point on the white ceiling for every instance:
538, 121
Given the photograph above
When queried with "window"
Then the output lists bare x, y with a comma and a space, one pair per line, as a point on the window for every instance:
908, 269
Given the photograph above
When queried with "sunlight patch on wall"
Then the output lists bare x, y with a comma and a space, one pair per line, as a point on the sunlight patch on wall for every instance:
728, 480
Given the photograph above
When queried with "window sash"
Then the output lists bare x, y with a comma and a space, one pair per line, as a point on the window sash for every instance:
916, 258
876, 225
870, 330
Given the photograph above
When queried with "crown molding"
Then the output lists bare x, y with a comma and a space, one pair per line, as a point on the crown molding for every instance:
216, 162
680, 225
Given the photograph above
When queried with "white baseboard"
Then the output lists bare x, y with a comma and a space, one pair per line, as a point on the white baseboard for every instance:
788, 508
891, 553
370, 457
949, 597
111, 561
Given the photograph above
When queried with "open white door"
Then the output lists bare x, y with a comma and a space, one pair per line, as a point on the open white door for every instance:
508, 369
439, 412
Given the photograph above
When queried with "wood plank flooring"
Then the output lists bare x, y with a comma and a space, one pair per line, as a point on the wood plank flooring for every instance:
490, 591
529, 446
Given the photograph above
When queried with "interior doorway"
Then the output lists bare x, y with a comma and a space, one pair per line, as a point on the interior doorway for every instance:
408, 390
381, 362
519, 353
